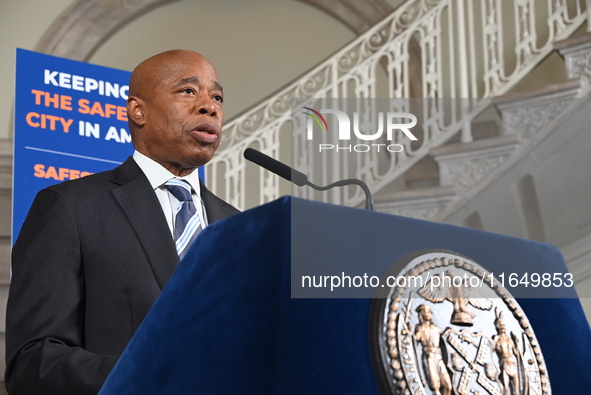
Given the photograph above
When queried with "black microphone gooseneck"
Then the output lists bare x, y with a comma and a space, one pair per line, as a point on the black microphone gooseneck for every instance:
300, 179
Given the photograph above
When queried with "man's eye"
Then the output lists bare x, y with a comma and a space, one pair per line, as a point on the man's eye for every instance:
218, 98
188, 90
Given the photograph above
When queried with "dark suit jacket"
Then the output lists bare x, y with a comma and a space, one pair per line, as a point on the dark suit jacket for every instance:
90, 260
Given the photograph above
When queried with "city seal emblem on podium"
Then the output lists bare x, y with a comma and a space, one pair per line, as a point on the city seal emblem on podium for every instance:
445, 326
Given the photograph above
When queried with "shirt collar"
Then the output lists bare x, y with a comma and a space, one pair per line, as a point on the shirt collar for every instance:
158, 175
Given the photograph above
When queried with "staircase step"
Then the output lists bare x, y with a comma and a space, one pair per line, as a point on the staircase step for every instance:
423, 174
463, 165
480, 130
424, 203
568, 88
5, 164
576, 52
527, 112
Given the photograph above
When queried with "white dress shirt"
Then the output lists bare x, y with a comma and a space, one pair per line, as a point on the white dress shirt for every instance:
158, 175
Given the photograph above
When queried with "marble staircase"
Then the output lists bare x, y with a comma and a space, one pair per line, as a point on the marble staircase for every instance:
459, 182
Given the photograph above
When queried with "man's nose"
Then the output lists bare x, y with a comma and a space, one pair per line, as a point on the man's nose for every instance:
206, 105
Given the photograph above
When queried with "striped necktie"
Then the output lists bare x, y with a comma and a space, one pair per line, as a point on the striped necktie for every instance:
187, 223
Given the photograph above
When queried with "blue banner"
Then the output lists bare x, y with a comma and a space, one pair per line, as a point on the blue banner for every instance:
70, 121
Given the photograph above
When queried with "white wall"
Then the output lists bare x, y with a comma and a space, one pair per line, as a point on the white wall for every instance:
22, 23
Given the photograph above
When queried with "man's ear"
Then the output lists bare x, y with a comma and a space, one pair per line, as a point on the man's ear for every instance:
135, 110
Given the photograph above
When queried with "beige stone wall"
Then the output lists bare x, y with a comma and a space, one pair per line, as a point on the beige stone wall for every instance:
22, 23
258, 46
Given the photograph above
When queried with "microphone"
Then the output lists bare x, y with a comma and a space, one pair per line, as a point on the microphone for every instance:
274, 166
300, 179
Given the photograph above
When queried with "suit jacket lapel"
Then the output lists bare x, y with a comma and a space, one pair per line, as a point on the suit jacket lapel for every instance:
215, 207
138, 201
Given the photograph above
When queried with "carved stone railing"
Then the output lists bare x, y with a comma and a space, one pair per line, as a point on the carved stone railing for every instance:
473, 49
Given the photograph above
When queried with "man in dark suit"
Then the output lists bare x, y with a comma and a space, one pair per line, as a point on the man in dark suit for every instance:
94, 253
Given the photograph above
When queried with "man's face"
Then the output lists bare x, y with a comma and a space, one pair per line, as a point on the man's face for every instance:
425, 315
181, 119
